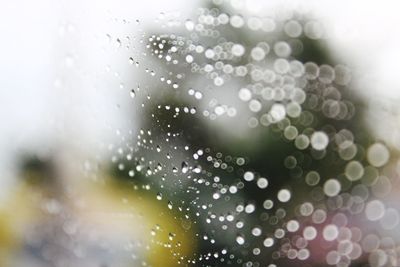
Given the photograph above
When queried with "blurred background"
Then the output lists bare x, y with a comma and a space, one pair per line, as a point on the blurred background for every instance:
127, 141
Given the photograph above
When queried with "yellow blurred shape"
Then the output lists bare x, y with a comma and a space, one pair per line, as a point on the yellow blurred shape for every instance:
111, 208
166, 236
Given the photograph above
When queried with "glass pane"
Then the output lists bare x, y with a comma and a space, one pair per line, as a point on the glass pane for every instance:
204, 133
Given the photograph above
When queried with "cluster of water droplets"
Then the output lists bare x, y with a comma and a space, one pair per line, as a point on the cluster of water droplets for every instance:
335, 205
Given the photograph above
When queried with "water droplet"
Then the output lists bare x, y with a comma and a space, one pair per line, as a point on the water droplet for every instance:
262, 182
378, 155
354, 170
238, 50
132, 93
184, 167
309, 233
257, 53
319, 140
292, 226
374, 210
248, 176
284, 195
240, 240
268, 242
332, 187
330, 232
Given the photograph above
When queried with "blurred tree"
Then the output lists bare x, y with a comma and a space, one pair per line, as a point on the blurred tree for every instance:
271, 149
